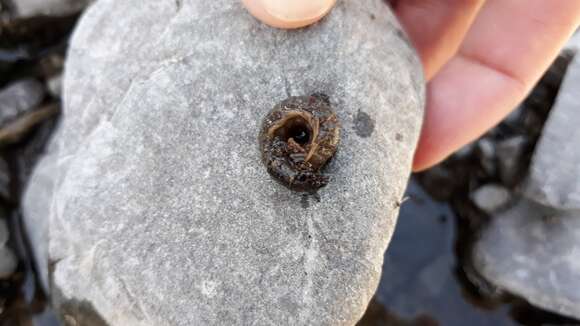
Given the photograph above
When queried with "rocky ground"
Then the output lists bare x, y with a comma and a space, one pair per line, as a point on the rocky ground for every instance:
490, 232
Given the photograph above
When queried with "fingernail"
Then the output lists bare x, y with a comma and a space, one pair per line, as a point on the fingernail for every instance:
289, 13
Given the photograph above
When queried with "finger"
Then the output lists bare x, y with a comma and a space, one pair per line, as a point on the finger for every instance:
436, 27
289, 13
506, 51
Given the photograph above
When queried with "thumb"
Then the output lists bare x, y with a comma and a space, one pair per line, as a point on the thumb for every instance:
289, 13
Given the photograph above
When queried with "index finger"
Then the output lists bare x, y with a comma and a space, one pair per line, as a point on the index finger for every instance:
510, 45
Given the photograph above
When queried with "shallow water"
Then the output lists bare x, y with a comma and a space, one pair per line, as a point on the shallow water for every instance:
419, 284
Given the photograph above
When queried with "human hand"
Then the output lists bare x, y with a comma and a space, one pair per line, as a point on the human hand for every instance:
481, 58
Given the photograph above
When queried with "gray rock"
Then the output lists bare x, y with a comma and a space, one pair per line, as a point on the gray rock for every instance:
491, 198
8, 262
554, 178
510, 159
19, 98
533, 251
28, 8
574, 42
160, 210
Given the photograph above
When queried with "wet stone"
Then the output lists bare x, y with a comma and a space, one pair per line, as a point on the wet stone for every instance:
533, 251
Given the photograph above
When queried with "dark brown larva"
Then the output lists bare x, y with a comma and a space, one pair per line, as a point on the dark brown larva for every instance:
298, 137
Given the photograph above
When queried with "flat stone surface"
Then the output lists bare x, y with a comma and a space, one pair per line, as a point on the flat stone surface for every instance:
534, 252
160, 211
554, 177
28, 8
19, 98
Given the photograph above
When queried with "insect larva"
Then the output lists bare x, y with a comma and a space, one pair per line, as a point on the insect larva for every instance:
298, 138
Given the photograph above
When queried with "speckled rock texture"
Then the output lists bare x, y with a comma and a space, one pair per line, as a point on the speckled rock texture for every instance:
160, 211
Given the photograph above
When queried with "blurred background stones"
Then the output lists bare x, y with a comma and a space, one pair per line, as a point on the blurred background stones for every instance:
533, 249
31, 8
19, 98
520, 199
32, 53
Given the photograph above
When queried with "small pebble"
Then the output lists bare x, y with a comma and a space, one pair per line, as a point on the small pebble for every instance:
491, 198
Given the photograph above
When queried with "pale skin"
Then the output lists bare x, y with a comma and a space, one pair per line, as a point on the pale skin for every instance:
481, 57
